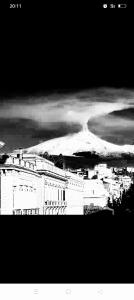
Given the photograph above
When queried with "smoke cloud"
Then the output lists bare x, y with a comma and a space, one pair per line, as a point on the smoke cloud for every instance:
26, 121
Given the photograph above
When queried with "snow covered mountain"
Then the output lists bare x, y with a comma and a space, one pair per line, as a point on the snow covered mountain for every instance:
84, 141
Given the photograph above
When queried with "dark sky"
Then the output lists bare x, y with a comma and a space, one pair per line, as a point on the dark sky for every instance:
82, 56
116, 127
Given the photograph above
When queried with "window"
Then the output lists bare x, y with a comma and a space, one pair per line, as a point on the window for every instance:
26, 188
63, 195
14, 188
26, 211
21, 188
17, 212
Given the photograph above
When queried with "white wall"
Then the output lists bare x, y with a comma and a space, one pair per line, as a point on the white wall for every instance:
6, 194
94, 192
74, 202
96, 201
74, 195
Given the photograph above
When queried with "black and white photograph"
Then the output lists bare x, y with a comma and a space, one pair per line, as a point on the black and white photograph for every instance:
66, 128
68, 153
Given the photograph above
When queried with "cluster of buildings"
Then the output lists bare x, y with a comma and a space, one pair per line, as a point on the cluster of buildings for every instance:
103, 184
33, 185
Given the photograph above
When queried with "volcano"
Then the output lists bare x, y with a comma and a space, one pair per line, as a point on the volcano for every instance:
83, 141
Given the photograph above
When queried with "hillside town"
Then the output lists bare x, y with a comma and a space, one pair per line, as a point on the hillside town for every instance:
33, 185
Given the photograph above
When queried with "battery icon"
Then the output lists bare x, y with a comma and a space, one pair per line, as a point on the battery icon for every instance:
123, 5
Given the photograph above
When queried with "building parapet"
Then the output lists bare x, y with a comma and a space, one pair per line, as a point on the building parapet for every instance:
7, 167
52, 174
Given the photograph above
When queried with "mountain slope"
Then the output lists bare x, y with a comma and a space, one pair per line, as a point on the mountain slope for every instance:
84, 141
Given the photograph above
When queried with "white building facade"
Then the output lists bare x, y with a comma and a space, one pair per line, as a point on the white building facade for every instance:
102, 171
74, 193
94, 193
126, 181
113, 187
30, 184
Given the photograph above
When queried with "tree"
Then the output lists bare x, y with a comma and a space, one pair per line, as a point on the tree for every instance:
125, 204
3, 158
94, 177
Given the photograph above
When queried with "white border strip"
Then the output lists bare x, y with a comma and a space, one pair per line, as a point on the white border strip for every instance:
67, 291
